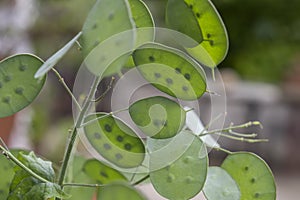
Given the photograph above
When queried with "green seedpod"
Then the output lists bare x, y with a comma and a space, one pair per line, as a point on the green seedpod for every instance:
143, 22
114, 140
108, 34
104, 20
18, 87
55, 58
119, 191
170, 71
213, 40
158, 117
220, 185
252, 175
101, 173
184, 177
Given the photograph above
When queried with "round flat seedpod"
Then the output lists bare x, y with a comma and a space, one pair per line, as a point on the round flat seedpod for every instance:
205, 26
220, 185
170, 71
101, 173
115, 141
18, 87
158, 117
185, 177
252, 175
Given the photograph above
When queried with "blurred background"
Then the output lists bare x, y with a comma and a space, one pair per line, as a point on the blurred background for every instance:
261, 74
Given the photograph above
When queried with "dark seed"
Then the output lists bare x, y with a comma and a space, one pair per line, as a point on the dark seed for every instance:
198, 15
111, 16
94, 26
107, 128
128, 146
253, 180
256, 195
7, 78
107, 146
178, 70
120, 138
118, 156
185, 88
103, 174
19, 90
157, 75
6, 99
97, 135
151, 59
169, 81
22, 68
187, 76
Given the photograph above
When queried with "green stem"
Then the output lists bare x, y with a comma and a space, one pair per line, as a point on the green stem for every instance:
81, 185
73, 137
20, 164
61, 79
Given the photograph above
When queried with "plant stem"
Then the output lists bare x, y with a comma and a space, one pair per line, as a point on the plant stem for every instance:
73, 137
20, 164
62, 81
81, 185
141, 180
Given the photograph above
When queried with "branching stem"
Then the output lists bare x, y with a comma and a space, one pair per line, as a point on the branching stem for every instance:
62, 81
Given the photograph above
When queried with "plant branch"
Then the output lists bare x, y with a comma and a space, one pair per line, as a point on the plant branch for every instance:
73, 137
11, 157
81, 185
141, 180
62, 81
106, 91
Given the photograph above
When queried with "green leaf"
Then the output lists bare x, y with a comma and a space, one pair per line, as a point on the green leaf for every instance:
18, 87
252, 175
171, 71
184, 177
26, 187
212, 39
114, 140
45, 191
220, 185
55, 58
158, 117
102, 173
119, 191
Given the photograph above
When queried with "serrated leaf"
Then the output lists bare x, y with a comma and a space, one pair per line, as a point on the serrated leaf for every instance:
220, 185
184, 177
200, 20
43, 191
252, 175
119, 191
170, 71
26, 187
158, 117
55, 58
115, 141
102, 173
18, 87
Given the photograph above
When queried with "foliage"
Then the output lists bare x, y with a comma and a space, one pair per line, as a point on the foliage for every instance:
164, 146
